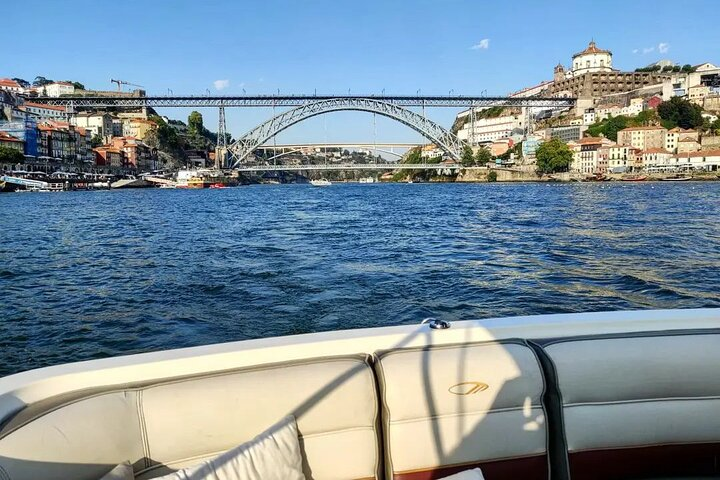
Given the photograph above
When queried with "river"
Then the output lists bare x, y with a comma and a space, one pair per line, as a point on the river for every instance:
88, 275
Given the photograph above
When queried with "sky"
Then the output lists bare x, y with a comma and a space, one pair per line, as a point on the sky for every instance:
333, 46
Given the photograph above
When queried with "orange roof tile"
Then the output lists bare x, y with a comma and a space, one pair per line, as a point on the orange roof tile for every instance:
42, 105
706, 153
592, 48
655, 150
6, 137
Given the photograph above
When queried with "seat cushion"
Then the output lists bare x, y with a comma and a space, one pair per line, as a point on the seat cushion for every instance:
639, 405
450, 408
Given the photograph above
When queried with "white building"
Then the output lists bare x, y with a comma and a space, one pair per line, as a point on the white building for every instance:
98, 123
589, 116
11, 86
487, 130
591, 60
44, 112
58, 89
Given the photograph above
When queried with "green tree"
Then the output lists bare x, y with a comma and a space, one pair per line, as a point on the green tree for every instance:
687, 68
78, 86
553, 156
195, 123
10, 155
41, 81
492, 176
96, 141
715, 127
467, 158
23, 83
678, 112
646, 118
608, 127
483, 156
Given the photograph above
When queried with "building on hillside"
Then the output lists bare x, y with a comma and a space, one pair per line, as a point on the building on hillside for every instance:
642, 138
607, 110
589, 117
586, 157
591, 60
138, 128
117, 127
98, 123
710, 142
603, 159
698, 93
430, 151
11, 86
567, 133
500, 146
487, 130
712, 103
686, 145
654, 102
58, 89
529, 147
44, 112
108, 159
7, 140
136, 155
654, 158
634, 107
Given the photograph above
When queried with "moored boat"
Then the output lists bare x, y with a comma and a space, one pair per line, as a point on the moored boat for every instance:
634, 178
676, 178
320, 183
406, 402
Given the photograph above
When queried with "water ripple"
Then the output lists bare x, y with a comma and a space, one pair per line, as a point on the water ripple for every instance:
94, 274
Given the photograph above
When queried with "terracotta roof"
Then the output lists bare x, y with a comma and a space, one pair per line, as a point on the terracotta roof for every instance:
706, 153
6, 82
592, 48
590, 141
655, 150
630, 129
42, 105
6, 137
688, 140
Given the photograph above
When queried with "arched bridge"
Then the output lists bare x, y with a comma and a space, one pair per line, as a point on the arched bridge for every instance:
441, 137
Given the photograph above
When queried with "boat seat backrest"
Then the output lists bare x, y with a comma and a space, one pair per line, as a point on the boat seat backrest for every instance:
165, 426
638, 405
450, 408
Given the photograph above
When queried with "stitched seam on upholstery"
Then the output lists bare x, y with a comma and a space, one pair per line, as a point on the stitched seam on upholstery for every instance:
647, 445
381, 354
135, 386
546, 416
474, 462
465, 414
143, 429
628, 335
642, 400
332, 432
3, 474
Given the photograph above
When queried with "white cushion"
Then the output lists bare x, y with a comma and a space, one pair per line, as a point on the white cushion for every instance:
272, 455
124, 471
474, 474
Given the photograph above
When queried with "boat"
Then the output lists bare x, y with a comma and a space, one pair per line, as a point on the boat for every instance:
320, 183
627, 394
367, 180
676, 178
218, 185
634, 178
168, 185
202, 178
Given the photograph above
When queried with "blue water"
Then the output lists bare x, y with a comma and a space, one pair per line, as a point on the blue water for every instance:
94, 274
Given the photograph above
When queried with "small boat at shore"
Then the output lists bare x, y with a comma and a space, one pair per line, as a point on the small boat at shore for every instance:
634, 178
678, 178
320, 183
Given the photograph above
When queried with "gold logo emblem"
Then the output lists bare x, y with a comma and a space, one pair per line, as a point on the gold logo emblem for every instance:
468, 388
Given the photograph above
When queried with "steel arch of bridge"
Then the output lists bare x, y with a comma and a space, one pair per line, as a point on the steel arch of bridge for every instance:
249, 142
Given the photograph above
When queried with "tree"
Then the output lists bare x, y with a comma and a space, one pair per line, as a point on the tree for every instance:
678, 112
41, 81
646, 118
715, 127
22, 83
195, 123
78, 86
10, 155
467, 158
687, 68
608, 127
483, 156
553, 156
492, 176
96, 141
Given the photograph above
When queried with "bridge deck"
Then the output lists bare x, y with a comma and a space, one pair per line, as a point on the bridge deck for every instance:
355, 166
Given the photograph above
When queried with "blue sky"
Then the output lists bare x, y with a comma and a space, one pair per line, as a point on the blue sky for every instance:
333, 45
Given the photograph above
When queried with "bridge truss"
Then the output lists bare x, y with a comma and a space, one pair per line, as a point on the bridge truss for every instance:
462, 101
444, 139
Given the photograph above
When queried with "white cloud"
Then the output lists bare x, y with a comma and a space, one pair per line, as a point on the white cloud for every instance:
221, 84
483, 45
648, 50
635, 50
663, 47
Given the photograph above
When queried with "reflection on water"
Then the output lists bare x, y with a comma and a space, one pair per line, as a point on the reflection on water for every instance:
94, 274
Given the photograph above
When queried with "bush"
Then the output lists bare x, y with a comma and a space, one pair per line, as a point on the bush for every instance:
492, 176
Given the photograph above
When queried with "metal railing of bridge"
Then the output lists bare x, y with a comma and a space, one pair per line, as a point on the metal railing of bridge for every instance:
295, 100
350, 166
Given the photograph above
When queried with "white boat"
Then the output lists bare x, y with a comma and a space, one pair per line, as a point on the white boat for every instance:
320, 183
575, 396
